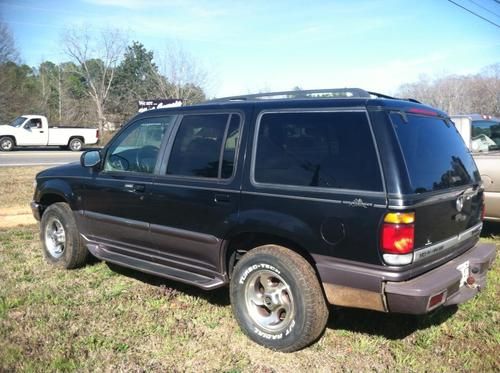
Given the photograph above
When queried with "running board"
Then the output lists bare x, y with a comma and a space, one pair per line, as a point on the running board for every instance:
203, 282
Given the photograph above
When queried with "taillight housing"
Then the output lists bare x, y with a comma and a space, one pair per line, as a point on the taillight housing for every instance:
397, 238
97, 134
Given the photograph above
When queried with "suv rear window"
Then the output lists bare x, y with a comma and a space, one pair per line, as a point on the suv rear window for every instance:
435, 154
311, 149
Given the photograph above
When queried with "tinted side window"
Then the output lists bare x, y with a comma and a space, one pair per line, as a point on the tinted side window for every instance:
230, 147
136, 149
332, 150
198, 145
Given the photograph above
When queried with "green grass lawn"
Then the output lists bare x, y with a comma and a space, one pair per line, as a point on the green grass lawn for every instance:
103, 317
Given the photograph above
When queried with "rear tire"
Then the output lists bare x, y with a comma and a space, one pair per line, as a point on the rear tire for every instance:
75, 145
61, 242
277, 299
6, 143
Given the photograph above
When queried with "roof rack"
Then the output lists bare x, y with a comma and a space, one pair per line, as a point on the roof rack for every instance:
310, 93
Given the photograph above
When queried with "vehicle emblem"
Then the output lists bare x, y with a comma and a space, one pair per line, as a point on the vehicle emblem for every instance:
459, 204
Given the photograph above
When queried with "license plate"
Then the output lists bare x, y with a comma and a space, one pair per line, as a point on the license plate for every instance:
464, 270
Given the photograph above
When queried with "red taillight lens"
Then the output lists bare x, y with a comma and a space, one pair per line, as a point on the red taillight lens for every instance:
97, 133
397, 238
483, 211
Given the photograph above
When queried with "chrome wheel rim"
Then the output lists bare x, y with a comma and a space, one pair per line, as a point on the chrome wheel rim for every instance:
55, 237
269, 301
6, 144
76, 145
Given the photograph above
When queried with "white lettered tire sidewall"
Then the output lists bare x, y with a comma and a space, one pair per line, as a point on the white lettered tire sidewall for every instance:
298, 332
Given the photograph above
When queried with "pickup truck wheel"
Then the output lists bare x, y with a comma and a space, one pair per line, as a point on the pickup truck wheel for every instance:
277, 299
6, 144
75, 145
61, 241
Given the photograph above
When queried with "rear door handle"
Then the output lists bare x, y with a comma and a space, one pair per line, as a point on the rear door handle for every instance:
222, 198
139, 188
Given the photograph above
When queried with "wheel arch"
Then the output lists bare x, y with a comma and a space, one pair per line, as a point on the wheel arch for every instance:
80, 137
240, 243
54, 191
11, 137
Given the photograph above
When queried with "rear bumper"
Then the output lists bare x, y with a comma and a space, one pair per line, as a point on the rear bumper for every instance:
413, 296
378, 289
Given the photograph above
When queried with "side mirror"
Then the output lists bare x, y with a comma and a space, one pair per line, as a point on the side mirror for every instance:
90, 158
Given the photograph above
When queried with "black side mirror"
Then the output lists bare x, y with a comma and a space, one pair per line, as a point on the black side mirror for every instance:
90, 158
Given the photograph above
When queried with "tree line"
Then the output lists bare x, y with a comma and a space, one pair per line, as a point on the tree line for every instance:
100, 83
105, 75
459, 94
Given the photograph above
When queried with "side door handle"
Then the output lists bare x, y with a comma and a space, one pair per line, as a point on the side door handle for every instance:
139, 188
222, 198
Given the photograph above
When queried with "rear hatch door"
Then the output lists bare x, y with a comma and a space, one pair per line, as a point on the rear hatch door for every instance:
444, 183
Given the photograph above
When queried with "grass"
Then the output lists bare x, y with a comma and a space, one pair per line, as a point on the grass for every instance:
16, 186
106, 318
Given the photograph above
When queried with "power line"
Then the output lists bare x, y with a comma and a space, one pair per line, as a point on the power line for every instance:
484, 8
477, 15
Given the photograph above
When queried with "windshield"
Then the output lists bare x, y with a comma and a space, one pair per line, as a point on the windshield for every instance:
17, 122
435, 155
485, 135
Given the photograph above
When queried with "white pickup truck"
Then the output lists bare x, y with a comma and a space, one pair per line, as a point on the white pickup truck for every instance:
482, 136
34, 130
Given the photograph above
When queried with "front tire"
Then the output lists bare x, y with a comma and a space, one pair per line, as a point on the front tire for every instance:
76, 145
61, 241
6, 144
277, 299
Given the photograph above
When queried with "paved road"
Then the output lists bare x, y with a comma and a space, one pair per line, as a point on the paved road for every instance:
38, 157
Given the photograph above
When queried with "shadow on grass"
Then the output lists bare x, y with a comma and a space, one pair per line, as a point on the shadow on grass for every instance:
491, 230
218, 296
390, 326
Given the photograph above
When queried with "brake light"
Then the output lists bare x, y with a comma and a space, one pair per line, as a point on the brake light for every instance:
97, 134
397, 238
423, 112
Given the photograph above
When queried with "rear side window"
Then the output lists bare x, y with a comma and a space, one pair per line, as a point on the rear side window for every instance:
435, 154
205, 146
328, 149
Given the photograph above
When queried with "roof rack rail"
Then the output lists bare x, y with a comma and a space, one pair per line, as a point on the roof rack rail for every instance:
310, 93
381, 95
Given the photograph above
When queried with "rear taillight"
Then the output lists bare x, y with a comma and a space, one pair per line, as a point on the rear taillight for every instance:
397, 238
97, 134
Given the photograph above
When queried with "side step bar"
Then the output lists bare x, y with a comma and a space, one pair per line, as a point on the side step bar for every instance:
203, 282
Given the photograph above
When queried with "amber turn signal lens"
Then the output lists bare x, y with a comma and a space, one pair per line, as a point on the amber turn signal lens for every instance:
400, 218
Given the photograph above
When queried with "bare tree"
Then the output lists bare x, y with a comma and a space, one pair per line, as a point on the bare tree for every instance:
459, 94
180, 75
8, 51
97, 56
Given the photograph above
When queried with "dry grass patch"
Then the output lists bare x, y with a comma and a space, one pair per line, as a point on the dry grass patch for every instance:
16, 187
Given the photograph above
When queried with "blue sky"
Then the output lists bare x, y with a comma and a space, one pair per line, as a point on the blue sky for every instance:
249, 46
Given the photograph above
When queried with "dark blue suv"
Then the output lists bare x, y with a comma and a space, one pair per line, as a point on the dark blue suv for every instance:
296, 200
